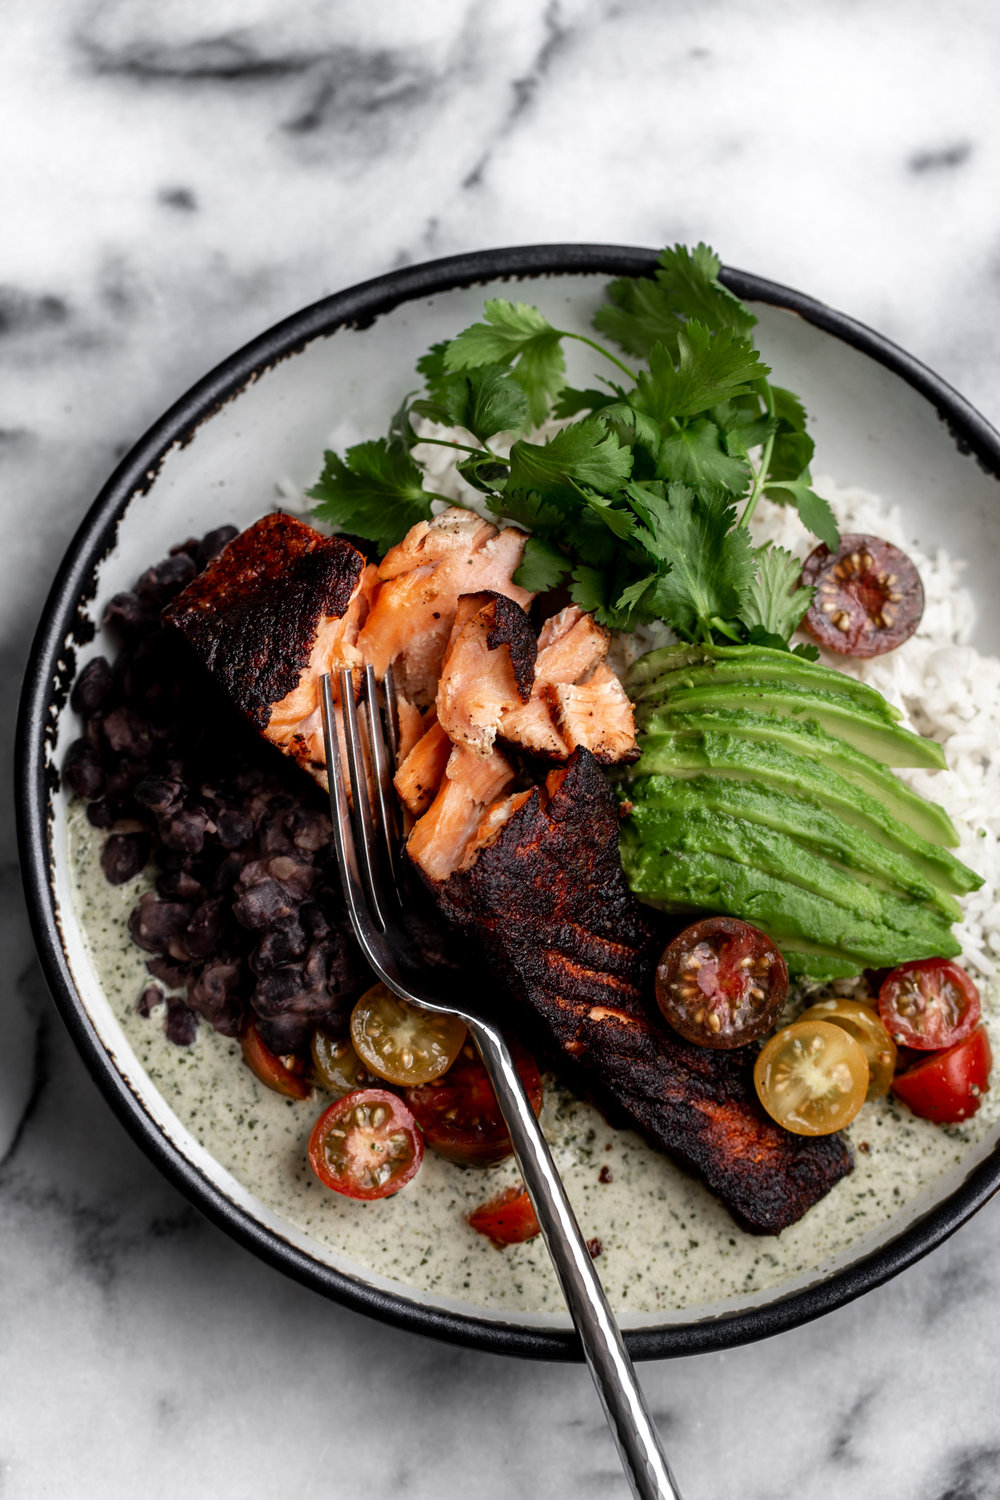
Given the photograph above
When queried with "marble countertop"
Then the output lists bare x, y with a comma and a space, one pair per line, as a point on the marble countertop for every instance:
176, 178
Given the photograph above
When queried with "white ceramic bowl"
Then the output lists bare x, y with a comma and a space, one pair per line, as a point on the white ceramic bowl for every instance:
880, 420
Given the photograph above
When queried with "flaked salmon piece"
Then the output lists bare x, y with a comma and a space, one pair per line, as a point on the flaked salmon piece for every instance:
411, 726
421, 580
530, 726
472, 783
279, 606
489, 665
571, 645
596, 715
576, 699
492, 821
419, 776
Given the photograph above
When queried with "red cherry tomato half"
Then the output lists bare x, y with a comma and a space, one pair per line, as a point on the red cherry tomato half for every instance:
285, 1075
949, 1086
507, 1219
458, 1113
868, 600
721, 983
366, 1145
928, 1004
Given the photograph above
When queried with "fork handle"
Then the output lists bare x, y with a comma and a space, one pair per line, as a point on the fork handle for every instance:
610, 1364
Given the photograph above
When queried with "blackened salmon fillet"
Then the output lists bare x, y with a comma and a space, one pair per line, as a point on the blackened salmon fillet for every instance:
547, 901
278, 607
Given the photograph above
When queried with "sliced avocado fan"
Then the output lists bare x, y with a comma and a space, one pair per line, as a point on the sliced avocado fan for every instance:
762, 791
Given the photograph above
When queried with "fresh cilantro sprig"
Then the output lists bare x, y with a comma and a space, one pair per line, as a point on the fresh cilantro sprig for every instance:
640, 505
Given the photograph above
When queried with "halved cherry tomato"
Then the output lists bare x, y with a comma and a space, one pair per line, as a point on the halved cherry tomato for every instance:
866, 1028
285, 1075
721, 983
869, 598
402, 1043
366, 1145
812, 1077
459, 1114
338, 1067
929, 1004
949, 1086
507, 1219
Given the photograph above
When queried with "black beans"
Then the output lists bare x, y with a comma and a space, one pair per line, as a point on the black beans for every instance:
82, 770
161, 794
266, 904
123, 856
213, 543
182, 1023
246, 918
185, 829
127, 614
151, 997
279, 946
92, 688
155, 925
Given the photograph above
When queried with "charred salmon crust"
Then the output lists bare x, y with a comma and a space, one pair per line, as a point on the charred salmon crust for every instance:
553, 870
253, 614
508, 625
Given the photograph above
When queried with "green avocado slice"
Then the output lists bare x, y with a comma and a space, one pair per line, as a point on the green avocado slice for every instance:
690, 667
821, 939
871, 819
725, 730
806, 821
876, 918
889, 743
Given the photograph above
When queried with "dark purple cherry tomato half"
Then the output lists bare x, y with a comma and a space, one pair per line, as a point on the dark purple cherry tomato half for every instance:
721, 983
868, 600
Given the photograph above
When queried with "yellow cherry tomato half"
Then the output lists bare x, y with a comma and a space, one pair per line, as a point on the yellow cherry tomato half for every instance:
337, 1066
865, 1026
402, 1043
812, 1077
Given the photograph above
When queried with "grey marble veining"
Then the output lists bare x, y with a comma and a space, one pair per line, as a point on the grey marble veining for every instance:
176, 178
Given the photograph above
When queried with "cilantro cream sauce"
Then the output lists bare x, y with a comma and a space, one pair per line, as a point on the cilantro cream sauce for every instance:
666, 1244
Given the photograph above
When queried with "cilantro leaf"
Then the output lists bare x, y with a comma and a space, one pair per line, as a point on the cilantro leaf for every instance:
588, 589
484, 401
710, 369
691, 279
570, 402
434, 370
375, 491
776, 601
586, 453
515, 331
484, 472
814, 512
694, 455
643, 311
711, 565
528, 509
543, 567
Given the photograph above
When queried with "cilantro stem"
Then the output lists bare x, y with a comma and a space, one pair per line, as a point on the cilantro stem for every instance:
592, 344
463, 447
760, 476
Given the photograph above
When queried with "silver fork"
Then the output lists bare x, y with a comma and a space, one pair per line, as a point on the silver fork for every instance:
366, 853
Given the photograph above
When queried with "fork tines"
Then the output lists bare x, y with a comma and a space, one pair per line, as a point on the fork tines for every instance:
362, 803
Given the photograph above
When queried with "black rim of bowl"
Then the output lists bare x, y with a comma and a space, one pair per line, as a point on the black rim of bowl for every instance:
48, 678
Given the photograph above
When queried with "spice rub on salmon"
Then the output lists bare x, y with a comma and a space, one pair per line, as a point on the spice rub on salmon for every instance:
548, 864
421, 580
281, 605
